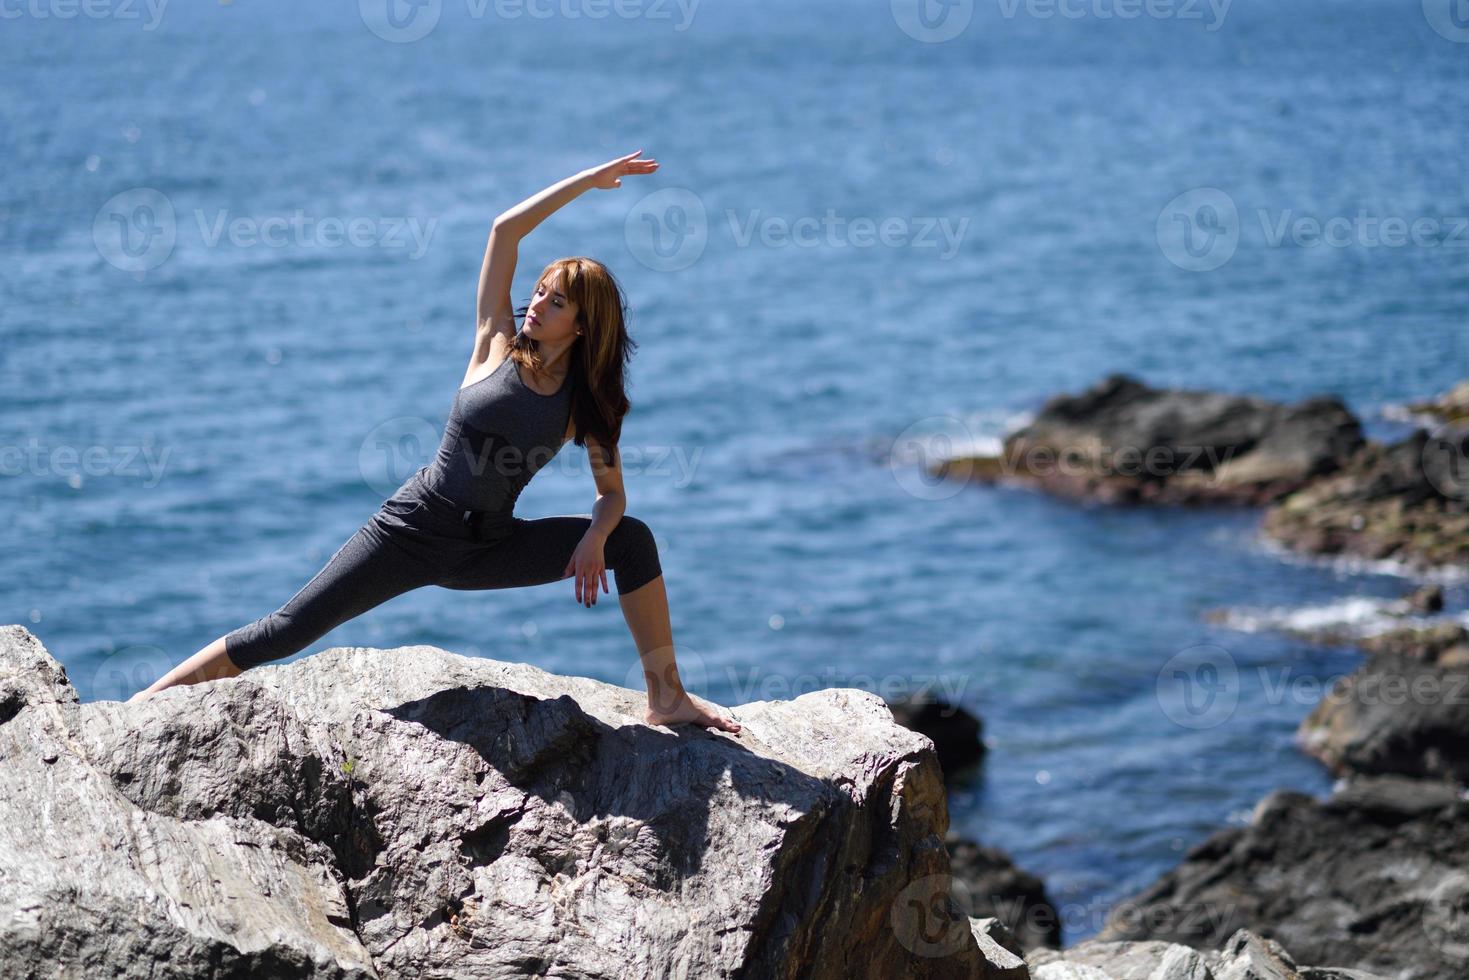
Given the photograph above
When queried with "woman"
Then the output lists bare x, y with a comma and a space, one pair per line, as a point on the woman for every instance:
452, 523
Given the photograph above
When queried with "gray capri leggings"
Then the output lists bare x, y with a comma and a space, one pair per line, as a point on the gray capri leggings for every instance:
419, 539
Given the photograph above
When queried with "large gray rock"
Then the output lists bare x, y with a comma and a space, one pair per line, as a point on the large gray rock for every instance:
1405, 711
1122, 441
413, 813
1373, 879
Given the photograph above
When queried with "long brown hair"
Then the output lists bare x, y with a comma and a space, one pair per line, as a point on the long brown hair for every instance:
599, 357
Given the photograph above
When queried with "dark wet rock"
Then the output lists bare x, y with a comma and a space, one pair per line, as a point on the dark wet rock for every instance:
989, 885
1407, 501
1122, 441
367, 813
1374, 878
957, 734
1405, 711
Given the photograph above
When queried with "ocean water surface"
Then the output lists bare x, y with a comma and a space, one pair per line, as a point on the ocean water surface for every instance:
238, 250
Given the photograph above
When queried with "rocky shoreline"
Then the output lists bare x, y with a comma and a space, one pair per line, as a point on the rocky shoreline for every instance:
1328, 490
411, 812
1373, 880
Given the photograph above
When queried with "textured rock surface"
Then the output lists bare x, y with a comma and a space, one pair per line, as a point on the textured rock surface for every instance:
1121, 441
1245, 955
1405, 711
1375, 878
414, 813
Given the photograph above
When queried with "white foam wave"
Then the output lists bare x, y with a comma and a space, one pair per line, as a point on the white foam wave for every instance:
1354, 565
1354, 616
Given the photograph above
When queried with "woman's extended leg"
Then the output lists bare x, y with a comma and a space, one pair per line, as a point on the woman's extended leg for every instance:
537, 551
366, 571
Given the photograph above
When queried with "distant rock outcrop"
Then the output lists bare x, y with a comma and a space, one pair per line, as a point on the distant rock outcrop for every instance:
1405, 711
412, 813
1329, 490
1407, 501
957, 734
988, 884
1122, 441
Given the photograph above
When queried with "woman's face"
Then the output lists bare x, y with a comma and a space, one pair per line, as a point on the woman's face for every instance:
551, 317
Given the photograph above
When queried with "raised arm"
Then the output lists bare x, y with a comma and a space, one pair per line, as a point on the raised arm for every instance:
495, 311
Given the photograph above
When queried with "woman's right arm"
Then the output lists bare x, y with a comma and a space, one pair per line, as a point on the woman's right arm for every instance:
495, 311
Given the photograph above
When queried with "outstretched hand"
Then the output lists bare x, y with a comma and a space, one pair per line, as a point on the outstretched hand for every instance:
589, 567
610, 174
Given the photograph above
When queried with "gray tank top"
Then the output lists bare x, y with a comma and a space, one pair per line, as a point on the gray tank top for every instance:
500, 432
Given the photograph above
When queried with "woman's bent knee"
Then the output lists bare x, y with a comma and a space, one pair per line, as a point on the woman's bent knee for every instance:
633, 555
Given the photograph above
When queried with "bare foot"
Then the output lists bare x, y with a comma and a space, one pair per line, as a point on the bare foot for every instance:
692, 710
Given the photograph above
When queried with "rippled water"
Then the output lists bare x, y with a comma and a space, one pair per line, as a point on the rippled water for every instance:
193, 423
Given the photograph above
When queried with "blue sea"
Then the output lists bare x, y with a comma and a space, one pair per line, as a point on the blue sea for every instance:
238, 250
